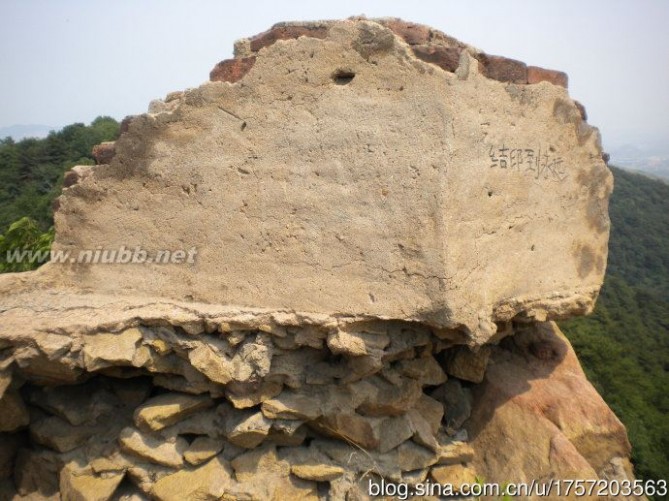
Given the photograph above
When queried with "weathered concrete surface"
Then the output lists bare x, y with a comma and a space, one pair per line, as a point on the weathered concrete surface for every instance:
342, 175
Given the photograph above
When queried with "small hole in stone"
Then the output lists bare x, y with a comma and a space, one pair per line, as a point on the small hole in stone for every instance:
343, 77
490, 193
243, 125
532, 248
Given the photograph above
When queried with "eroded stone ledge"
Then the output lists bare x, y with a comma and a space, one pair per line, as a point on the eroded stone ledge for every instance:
250, 411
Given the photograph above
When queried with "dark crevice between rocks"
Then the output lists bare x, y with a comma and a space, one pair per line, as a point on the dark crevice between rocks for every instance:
343, 77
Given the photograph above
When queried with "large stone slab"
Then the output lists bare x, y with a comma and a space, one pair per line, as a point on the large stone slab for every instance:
153, 449
429, 181
209, 481
84, 486
169, 408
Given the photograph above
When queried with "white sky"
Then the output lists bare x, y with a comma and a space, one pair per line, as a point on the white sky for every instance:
71, 60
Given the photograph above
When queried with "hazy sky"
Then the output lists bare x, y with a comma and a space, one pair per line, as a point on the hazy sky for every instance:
71, 60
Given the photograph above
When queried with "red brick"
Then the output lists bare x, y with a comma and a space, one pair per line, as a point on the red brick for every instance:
536, 74
286, 33
232, 70
413, 34
447, 58
503, 69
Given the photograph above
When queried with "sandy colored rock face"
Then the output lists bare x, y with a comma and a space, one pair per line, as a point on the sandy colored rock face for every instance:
536, 415
168, 409
162, 453
454, 474
103, 349
209, 481
319, 473
369, 204
77, 486
203, 448
341, 170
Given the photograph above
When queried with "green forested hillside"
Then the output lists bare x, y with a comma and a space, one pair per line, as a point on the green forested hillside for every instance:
639, 245
31, 170
623, 346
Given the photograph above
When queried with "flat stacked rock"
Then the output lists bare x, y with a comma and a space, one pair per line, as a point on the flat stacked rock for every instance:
320, 408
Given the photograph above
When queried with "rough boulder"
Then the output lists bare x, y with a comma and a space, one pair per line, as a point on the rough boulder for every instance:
335, 263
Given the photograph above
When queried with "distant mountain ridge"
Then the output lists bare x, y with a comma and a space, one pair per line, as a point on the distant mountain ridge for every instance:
651, 159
